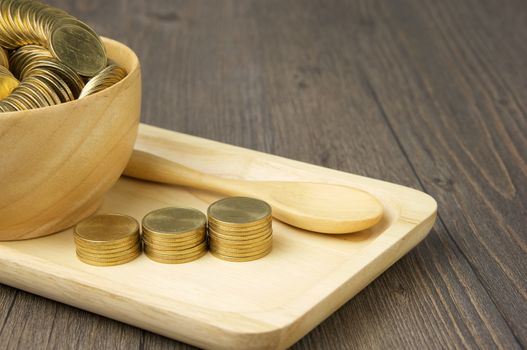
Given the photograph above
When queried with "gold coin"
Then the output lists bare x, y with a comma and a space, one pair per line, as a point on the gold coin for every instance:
172, 246
28, 96
240, 232
105, 250
239, 237
221, 240
44, 77
174, 222
241, 251
55, 49
31, 22
78, 48
165, 241
55, 83
170, 250
175, 244
8, 105
234, 225
120, 244
127, 241
175, 261
176, 254
4, 58
240, 244
107, 263
240, 259
109, 259
234, 229
107, 228
109, 252
176, 238
134, 251
42, 89
8, 82
58, 70
239, 211
173, 255
104, 79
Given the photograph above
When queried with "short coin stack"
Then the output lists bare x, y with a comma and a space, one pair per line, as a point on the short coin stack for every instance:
240, 229
107, 239
174, 235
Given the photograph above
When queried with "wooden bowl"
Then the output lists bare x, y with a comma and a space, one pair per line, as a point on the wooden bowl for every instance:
57, 162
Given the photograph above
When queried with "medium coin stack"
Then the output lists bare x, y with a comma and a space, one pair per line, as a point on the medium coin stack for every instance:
240, 229
52, 54
174, 235
107, 239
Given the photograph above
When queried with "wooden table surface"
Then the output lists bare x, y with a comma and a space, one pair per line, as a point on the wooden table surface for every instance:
428, 94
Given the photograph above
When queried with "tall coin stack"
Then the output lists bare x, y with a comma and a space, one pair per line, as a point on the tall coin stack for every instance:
175, 235
240, 229
107, 239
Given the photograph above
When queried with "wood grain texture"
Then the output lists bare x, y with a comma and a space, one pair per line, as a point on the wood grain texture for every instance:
426, 94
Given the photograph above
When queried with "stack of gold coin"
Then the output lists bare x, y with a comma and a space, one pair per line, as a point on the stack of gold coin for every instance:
107, 239
240, 229
174, 235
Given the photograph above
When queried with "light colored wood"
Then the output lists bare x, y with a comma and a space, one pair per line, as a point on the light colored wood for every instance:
318, 207
268, 303
58, 162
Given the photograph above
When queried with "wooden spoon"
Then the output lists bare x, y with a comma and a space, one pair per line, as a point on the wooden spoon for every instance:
316, 207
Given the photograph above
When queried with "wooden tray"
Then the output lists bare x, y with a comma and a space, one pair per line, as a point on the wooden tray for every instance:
269, 303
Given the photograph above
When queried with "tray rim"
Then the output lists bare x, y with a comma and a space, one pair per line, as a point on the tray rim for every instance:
257, 330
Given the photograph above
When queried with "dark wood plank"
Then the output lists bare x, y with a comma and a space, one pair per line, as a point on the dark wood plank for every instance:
36, 322
7, 300
304, 79
452, 89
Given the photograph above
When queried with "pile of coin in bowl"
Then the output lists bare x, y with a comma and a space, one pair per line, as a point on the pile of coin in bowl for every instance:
107, 240
49, 57
240, 229
175, 235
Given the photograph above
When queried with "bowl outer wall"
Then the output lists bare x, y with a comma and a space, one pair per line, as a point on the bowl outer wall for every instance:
57, 162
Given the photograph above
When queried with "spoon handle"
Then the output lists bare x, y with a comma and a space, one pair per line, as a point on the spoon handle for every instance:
147, 166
